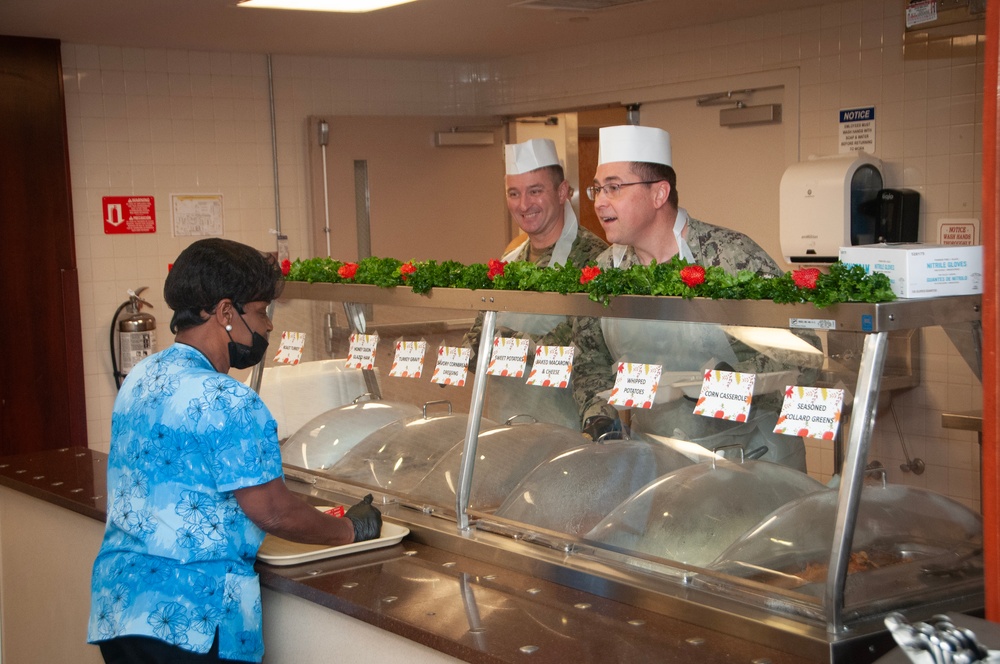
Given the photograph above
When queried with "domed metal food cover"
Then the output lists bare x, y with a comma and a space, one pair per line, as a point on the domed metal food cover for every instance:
573, 491
906, 541
504, 456
325, 439
400, 454
692, 514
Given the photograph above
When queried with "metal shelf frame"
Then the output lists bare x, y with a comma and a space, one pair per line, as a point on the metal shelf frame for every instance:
852, 317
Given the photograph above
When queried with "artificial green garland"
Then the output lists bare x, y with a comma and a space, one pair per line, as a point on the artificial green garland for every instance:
677, 277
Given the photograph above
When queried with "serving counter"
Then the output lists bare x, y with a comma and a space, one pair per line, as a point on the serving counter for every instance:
828, 562
412, 602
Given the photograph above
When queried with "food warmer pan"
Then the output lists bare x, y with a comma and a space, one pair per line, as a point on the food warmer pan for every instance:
324, 440
573, 491
909, 545
504, 456
397, 456
691, 515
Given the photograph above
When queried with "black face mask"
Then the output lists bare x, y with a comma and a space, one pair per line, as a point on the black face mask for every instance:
242, 356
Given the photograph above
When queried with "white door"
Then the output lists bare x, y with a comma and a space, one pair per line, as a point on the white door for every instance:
387, 179
729, 176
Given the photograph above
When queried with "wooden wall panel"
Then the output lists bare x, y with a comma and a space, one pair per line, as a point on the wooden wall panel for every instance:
42, 403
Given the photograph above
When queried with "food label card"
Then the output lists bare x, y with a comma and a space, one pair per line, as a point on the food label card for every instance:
361, 354
810, 412
452, 365
409, 360
726, 395
509, 357
635, 385
552, 367
290, 348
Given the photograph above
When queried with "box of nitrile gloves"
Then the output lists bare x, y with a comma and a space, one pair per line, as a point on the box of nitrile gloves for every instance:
922, 270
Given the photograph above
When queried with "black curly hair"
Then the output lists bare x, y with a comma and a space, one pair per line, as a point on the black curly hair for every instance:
214, 269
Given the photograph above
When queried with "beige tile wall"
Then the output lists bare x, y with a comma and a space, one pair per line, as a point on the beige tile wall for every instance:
156, 122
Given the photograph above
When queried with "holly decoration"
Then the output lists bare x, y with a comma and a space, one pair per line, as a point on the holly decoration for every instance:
676, 278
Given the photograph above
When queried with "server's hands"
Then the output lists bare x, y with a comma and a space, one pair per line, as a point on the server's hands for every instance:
597, 427
367, 520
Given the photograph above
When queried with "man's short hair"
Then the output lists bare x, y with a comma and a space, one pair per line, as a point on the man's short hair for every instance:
213, 269
649, 172
558, 175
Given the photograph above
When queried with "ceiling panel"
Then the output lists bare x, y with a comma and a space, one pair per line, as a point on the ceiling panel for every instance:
426, 29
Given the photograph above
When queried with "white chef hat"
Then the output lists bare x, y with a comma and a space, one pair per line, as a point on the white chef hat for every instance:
634, 143
527, 156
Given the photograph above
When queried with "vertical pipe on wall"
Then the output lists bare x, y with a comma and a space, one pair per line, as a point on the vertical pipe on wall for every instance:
324, 140
991, 245
274, 146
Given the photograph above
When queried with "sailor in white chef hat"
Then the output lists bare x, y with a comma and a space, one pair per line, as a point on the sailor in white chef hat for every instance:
635, 198
538, 198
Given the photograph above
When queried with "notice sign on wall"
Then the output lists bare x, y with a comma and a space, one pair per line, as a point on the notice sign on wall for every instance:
128, 214
857, 130
963, 232
920, 11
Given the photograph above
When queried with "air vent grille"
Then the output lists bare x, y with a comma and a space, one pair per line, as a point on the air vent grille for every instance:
575, 5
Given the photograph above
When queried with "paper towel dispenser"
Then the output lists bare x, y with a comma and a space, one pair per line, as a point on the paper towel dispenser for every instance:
827, 203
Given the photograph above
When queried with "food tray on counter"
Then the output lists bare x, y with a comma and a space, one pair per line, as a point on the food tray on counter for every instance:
280, 552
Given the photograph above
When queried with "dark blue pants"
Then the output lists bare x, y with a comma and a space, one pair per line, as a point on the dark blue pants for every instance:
145, 650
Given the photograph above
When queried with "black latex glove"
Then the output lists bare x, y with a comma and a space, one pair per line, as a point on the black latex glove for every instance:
367, 520
596, 426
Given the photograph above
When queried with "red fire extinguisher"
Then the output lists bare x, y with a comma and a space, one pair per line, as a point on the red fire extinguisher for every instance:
136, 335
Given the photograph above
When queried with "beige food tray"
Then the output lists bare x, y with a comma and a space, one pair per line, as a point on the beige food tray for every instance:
278, 551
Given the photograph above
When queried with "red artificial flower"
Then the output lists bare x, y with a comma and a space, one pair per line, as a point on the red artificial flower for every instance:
692, 275
496, 269
806, 277
348, 270
286, 267
587, 274
406, 269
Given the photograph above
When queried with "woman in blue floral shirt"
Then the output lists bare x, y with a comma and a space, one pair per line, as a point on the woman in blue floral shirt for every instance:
195, 478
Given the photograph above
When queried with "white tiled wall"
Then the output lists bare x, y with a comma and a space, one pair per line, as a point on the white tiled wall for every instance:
156, 122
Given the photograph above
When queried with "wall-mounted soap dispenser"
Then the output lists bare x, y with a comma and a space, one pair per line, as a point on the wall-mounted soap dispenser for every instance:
827, 203
899, 216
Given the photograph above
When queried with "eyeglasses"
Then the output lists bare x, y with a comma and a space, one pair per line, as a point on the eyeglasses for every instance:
612, 189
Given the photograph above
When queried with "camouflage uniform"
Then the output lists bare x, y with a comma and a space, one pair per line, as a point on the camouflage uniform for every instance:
539, 402
586, 248
593, 369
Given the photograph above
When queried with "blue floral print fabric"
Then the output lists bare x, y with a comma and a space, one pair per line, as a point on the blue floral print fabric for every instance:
177, 558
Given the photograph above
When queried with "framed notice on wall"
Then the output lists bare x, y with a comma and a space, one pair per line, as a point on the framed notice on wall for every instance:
196, 214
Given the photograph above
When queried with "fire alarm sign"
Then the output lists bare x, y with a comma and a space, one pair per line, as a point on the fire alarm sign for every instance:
128, 214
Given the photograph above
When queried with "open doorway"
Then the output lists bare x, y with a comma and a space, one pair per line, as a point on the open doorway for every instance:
589, 124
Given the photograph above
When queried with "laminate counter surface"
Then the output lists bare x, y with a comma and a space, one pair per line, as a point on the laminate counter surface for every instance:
71, 477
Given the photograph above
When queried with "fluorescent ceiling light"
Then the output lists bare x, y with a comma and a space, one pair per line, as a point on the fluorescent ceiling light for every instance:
354, 6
